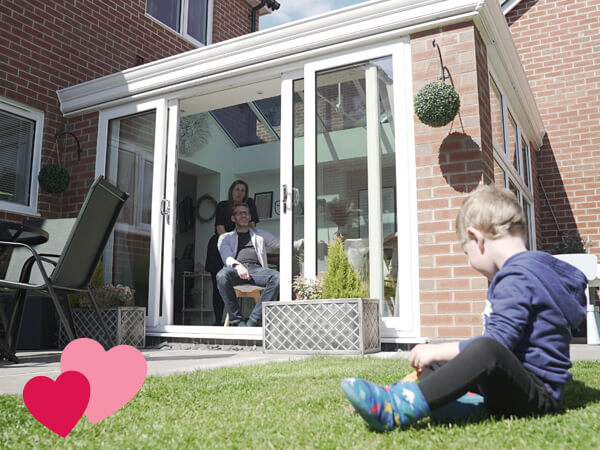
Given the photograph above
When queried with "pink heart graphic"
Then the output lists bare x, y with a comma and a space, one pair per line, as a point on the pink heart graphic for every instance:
58, 405
115, 376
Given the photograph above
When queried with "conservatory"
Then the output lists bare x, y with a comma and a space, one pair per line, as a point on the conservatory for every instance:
317, 117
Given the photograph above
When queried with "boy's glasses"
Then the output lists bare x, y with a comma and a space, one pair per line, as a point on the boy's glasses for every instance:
242, 213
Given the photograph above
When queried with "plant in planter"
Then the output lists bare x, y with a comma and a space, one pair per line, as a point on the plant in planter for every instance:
571, 243
331, 314
126, 322
307, 289
437, 104
341, 280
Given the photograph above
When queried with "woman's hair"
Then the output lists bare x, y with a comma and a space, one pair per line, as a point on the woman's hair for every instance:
230, 192
492, 210
230, 203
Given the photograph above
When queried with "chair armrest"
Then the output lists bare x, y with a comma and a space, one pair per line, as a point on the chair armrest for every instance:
26, 271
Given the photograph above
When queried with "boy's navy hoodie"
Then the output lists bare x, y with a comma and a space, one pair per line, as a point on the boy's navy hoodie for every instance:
531, 303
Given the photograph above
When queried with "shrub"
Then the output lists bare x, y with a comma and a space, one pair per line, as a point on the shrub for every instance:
341, 280
571, 243
437, 104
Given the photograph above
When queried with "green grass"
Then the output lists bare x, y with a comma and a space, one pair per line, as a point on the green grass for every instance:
297, 404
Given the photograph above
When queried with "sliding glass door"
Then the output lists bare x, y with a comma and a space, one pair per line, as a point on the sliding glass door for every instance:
358, 172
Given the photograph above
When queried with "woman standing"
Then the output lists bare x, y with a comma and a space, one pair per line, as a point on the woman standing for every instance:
238, 193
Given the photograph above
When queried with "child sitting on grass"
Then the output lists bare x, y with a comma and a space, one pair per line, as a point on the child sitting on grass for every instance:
520, 363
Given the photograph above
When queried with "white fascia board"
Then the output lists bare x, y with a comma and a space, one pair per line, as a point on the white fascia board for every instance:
504, 58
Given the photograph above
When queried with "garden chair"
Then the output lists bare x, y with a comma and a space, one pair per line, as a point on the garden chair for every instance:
246, 291
73, 268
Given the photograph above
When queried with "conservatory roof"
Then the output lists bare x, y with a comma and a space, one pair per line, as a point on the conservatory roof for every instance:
269, 53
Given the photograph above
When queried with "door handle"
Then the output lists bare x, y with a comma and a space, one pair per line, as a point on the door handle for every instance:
285, 198
165, 209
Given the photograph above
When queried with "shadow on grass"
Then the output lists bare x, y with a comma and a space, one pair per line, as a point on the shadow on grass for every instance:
579, 395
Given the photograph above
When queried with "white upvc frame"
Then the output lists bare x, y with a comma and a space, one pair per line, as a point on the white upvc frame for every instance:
183, 17
407, 325
286, 167
512, 173
19, 109
156, 227
170, 193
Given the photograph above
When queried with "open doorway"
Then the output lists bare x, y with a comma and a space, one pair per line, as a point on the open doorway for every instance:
237, 138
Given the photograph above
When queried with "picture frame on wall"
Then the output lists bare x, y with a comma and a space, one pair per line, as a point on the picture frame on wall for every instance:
264, 204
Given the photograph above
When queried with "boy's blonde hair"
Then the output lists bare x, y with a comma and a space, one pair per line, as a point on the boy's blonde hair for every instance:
494, 211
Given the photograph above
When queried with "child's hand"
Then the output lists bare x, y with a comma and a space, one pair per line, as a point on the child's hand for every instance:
424, 355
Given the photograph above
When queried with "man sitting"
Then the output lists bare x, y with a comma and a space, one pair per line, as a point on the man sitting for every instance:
244, 253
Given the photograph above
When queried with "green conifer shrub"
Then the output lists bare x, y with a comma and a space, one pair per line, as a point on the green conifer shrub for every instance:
341, 280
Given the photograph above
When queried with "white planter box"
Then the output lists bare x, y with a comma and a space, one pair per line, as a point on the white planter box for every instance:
127, 325
329, 326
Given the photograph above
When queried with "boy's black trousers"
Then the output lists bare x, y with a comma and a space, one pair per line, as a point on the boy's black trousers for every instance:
488, 368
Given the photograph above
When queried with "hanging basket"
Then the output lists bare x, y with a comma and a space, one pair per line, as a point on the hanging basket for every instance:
53, 179
437, 104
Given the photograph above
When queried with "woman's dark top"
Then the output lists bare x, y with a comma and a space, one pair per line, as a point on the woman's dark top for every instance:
223, 216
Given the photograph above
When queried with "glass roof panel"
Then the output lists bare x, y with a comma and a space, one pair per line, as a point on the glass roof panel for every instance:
253, 123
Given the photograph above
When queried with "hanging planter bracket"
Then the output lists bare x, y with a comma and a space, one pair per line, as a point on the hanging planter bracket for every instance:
59, 135
442, 66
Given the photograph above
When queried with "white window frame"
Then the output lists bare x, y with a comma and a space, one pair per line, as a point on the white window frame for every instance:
511, 173
22, 110
183, 21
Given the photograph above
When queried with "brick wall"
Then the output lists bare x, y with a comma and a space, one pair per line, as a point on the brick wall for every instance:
231, 19
450, 161
558, 42
48, 46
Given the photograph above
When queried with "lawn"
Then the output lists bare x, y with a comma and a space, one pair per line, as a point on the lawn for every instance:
297, 404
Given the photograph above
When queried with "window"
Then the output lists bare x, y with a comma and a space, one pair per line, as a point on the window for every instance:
512, 157
511, 140
20, 145
187, 17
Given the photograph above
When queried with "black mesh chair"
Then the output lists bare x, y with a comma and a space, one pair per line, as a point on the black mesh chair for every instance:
73, 269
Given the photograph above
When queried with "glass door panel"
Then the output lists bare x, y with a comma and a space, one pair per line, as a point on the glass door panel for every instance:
130, 164
297, 206
355, 173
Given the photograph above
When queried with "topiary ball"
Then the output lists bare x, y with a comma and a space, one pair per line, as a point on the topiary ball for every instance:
53, 179
437, 104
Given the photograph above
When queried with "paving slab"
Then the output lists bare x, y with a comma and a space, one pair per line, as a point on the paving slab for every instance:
13, 377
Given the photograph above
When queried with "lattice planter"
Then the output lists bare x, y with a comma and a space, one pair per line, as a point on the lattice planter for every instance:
127, 325
329, 326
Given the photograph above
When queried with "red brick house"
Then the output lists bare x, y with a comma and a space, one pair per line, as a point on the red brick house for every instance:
319, 113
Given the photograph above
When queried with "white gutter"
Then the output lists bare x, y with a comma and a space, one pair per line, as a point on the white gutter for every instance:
288, 44
509, 5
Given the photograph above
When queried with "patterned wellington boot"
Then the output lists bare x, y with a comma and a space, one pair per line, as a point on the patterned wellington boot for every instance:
385, 408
